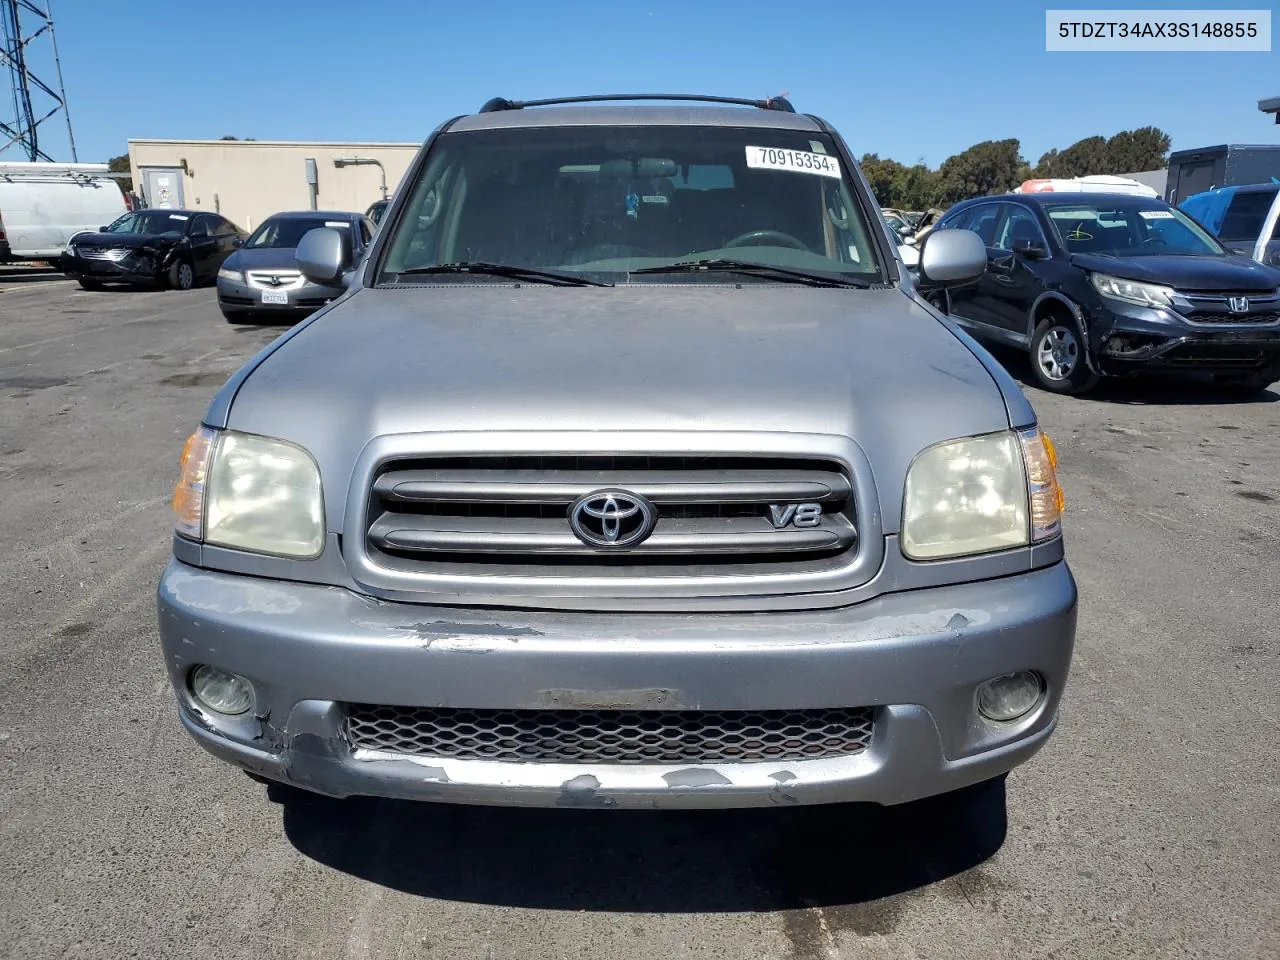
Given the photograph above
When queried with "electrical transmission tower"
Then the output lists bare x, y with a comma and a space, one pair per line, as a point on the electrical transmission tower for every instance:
34, 100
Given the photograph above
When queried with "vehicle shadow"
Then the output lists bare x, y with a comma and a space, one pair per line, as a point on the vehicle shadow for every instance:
28, 274
654, 862
1150, 391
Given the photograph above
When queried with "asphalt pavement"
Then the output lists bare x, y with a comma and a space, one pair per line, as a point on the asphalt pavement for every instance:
1147, 828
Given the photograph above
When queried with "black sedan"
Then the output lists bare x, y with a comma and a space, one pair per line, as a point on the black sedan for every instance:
1092, 285
176, 248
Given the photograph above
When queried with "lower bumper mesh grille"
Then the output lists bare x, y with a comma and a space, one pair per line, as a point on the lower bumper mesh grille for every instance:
612, 736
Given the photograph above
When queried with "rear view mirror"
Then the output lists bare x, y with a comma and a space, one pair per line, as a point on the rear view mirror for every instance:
951, 257
322, 255
644, 168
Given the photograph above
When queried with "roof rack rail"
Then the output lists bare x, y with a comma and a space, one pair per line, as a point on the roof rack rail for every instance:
772, 103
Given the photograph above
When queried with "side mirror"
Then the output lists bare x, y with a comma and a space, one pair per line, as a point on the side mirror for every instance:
1030, 249
321, 255
237, 242
951, 257
102, 229
904, 231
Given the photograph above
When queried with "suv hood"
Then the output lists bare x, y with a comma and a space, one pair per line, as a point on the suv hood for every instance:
1231, 273
871, 365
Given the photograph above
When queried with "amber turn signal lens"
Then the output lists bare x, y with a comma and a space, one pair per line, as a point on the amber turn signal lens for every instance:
1043, 490
188, 495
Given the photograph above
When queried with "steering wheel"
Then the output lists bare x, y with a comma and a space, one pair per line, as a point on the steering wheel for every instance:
754, 238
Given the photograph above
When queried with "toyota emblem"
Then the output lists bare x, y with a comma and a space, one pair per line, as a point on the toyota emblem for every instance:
612, 518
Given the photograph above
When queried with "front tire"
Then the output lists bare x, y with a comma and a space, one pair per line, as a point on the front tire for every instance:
1058, 357
182, 276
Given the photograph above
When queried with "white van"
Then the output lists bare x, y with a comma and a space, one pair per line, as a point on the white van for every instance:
43, 205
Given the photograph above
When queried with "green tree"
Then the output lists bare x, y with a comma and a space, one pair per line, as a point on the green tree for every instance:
992, 166
120, 164
920, 187
883, 176
1132, 151
1129, 151
1084, 158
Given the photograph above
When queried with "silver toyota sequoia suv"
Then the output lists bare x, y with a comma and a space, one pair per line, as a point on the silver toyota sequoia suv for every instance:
632, 469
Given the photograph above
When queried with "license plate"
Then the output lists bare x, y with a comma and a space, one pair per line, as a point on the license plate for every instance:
275, 296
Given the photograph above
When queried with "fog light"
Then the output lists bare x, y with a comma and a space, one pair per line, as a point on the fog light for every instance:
221, 691
1009, 697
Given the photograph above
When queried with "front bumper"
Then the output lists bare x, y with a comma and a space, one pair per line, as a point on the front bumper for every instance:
236, 295
1129, 339
917, 657
138, 268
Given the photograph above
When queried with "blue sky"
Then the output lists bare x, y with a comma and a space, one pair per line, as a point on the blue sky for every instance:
910, 80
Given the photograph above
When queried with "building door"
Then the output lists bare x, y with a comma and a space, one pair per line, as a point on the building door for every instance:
164, 187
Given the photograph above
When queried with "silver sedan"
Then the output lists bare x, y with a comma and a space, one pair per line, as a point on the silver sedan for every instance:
261, 283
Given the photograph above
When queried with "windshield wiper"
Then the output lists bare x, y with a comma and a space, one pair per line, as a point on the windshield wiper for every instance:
515, 272
729, 265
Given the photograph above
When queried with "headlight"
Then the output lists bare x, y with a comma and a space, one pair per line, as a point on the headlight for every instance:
981, 494
250, 493
235, 276
1132, 291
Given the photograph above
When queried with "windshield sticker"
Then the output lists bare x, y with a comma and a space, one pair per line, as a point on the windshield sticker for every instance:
654, 198
798, 161
178, 216
336, 223
1156, 214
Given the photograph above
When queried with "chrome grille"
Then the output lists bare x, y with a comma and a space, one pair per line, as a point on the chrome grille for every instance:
266, 279
1216, 309
612, 736
114, 254
490, 511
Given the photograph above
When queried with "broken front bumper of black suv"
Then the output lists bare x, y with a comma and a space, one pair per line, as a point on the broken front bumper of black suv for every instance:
1207, 336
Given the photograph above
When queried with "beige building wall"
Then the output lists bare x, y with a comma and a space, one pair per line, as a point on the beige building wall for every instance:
248, 180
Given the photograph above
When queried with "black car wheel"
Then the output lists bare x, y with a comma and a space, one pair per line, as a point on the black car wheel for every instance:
1058, 357
182, 276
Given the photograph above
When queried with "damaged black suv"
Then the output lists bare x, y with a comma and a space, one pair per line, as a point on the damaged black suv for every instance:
1106, 284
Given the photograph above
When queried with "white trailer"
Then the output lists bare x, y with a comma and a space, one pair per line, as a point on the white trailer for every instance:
44, 205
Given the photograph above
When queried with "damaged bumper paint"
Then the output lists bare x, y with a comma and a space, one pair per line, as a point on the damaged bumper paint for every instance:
1130, 338
916, 657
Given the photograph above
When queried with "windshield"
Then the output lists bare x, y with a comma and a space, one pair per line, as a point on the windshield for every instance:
287, 232
1134, 228
151, 223
607, 201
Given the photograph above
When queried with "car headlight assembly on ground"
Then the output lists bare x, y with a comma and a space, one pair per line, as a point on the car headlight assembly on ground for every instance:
251, 493
981, 494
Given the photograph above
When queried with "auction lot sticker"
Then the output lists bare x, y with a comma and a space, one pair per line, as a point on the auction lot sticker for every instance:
800, 161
